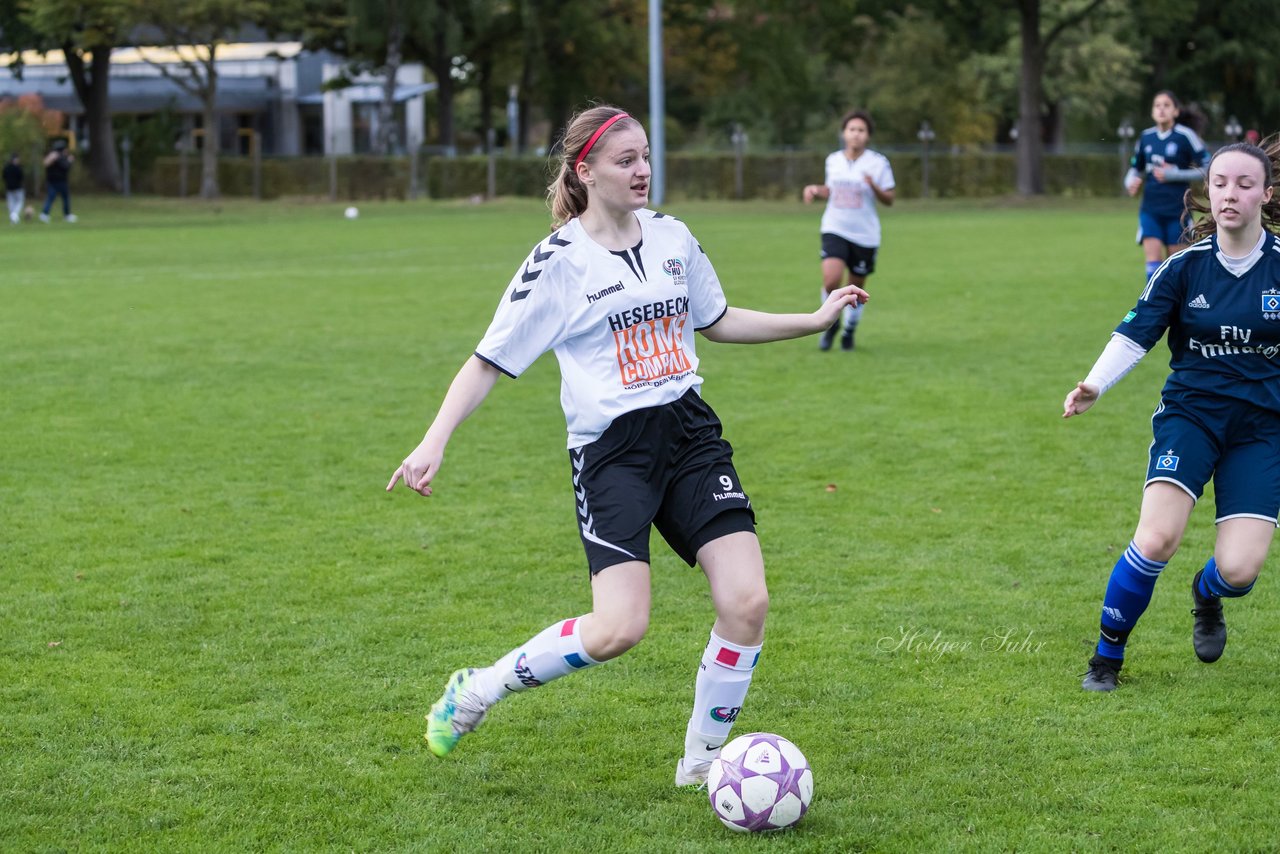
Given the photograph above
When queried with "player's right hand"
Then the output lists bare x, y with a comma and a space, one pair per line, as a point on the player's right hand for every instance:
419, 468
1079, 399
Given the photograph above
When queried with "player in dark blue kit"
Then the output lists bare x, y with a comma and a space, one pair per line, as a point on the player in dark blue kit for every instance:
1219, 412
1166, 159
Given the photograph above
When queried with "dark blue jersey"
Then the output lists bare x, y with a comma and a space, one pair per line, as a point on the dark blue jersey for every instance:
1178, 147
1224, 330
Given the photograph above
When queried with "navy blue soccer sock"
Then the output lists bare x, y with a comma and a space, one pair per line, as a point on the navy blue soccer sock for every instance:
1133, 580
1213, 584
1152, 266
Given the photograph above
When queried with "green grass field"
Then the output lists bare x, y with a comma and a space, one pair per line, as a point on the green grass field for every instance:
218, 633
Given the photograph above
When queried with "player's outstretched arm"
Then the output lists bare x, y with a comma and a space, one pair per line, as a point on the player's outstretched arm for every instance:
815, 191
744, 326
1079, 399
468, 390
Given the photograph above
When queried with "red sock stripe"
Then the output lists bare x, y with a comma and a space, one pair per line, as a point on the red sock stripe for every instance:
727, 657
566, 628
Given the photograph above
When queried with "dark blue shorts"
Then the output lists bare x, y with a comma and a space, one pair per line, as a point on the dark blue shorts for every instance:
1235, 443
1169, 230
662, 466
861, 260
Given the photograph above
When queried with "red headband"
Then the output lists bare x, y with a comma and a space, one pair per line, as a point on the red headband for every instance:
586, 149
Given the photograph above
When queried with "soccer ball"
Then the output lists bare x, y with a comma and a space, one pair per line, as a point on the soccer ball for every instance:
351, 212
760, 781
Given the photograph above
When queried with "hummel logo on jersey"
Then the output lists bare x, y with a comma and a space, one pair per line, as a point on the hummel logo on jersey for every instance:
1198, 302
604, 292
1113, 613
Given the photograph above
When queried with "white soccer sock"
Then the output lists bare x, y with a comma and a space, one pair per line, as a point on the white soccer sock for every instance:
851, 316
723, 679
554, 652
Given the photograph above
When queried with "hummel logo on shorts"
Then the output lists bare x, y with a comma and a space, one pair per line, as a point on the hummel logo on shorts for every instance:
1198, 302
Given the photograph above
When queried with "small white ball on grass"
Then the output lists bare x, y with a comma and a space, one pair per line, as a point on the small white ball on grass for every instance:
351, 212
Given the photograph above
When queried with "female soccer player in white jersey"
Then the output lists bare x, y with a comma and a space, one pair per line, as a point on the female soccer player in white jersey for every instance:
1219, 412
617, 291
856, 179
1167, 158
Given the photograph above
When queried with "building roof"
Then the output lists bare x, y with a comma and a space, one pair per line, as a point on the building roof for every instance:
163, 55
371, 93
151, 94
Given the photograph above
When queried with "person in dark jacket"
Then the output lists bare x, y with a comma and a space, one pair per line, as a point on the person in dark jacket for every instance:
57, 165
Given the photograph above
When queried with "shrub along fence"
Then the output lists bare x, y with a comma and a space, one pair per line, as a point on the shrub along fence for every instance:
779, 175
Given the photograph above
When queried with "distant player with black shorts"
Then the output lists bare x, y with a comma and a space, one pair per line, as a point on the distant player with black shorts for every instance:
1167, 159
617, 292
1219, 412
856, 178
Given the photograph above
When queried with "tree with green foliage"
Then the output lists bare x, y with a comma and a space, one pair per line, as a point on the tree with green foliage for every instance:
188, 34
87, 31
376, 34
25, 127
491, 41
1218, 53
192, 31
907, 70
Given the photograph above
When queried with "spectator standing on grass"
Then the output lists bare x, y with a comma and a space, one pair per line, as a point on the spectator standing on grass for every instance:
57, 166
1219, 412
15, 187
1167, 159
617, 291
856, 178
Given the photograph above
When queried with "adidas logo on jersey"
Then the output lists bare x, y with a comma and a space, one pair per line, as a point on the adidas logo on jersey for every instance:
1198, 302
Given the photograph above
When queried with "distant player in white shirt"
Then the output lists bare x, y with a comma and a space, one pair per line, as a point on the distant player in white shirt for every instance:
856, 179
617, 292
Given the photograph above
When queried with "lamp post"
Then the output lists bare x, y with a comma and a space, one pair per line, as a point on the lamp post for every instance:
1233, 129
926, 136
126, 145
1125, 132
739, 139
513, 118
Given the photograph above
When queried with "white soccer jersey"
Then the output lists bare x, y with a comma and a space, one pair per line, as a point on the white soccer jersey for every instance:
621, 323
851, 207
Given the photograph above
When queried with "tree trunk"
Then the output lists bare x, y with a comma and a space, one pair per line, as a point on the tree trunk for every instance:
443, 69
92, 91
523, 100
484, 81
385, 142
212, 139
1030, 95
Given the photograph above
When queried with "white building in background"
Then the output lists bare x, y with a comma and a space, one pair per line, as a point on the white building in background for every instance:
350, 114
275, 90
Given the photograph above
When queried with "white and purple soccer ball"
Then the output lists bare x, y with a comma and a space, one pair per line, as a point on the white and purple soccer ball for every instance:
760, 781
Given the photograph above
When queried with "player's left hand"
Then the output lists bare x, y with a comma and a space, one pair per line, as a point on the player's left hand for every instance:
1158, 172
836, 301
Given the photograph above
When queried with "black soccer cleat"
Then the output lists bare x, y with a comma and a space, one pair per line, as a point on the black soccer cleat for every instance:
1209, 637
1102, 675
828, 337
846, 340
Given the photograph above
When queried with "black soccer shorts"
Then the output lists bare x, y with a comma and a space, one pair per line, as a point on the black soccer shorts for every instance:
861, 260
666, 466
